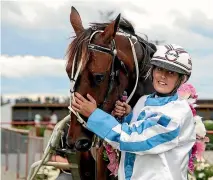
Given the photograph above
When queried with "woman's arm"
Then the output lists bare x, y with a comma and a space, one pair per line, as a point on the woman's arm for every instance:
154, 134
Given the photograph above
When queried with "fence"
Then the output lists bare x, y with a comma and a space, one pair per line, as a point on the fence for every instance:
19, 150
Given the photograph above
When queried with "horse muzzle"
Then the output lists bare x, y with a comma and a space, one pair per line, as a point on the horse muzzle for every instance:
83, 144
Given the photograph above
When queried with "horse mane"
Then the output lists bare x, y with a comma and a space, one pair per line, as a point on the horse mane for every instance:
124, 26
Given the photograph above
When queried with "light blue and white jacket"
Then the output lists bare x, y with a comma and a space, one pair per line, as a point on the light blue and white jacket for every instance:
155, 139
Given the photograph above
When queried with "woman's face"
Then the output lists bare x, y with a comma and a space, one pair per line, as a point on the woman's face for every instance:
164, 81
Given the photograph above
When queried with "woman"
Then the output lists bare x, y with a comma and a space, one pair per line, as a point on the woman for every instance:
157, 136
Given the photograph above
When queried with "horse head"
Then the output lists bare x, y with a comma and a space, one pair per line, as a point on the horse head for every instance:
101, 63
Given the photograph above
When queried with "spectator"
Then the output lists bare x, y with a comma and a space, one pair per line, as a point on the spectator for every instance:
37, 120
53, 118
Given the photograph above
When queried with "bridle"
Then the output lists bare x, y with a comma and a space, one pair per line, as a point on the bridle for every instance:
113, 52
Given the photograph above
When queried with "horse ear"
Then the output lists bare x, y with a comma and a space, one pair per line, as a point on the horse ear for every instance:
75, 21
110, 30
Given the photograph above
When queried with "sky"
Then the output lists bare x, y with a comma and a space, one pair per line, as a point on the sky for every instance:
35, 36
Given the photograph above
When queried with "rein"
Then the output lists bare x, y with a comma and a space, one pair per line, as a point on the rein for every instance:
112, 52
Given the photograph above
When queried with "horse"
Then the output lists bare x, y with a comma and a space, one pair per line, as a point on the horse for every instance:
101, 62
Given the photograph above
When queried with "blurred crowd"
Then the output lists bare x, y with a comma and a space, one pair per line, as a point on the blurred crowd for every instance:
38, 100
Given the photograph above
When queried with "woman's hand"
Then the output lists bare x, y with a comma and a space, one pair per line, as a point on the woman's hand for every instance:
121, 109
58, 158
84, 106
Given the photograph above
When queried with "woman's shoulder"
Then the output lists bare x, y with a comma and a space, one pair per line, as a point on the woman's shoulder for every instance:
182, 102
180, 107
141, 100
140, 103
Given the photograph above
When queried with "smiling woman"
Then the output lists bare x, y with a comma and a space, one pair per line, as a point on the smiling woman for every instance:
172, 67
164, 81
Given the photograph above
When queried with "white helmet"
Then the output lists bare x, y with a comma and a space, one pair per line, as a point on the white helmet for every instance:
174, 58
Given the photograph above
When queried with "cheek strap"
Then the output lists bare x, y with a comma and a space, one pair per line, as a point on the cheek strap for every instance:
182, 79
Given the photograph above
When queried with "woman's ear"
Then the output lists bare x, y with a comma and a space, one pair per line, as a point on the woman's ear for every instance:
184, 79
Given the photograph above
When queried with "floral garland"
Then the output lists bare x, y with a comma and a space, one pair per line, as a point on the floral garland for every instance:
111, 155
188, 92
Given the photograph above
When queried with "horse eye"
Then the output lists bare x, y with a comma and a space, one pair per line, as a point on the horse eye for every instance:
98, 78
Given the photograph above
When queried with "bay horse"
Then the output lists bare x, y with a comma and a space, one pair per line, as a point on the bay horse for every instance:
101, 62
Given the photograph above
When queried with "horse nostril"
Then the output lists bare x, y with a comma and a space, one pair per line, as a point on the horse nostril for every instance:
83, 145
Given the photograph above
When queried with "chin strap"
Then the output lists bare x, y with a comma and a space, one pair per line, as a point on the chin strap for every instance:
178, 84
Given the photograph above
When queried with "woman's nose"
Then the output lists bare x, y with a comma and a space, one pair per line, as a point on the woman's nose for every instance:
163, 74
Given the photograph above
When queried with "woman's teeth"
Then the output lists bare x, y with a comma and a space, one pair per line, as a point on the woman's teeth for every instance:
162, 83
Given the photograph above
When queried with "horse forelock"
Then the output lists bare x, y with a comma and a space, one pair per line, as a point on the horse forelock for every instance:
78, 45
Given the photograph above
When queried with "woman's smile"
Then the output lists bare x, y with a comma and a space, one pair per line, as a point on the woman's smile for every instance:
164, 81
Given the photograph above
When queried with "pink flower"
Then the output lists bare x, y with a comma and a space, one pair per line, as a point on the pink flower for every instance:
186, 91
192, 158
113, 160
108, 148
200, 149
191, 165
193, 110
112, 156
113, 167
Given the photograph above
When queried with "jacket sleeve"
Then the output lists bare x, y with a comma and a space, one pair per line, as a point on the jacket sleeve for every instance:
127, 119
152, 134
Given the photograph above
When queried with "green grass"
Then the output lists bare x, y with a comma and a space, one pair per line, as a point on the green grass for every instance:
24, 127
209, 127
41, 131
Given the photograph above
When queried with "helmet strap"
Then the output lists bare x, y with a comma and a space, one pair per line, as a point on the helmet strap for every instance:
179, 81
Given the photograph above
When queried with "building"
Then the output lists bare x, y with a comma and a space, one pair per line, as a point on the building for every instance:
205, 109
27, 111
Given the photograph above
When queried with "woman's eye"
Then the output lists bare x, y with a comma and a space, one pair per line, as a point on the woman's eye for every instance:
170, 72
159, 69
